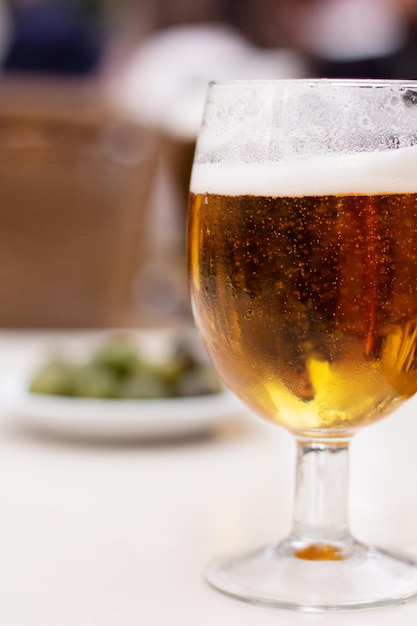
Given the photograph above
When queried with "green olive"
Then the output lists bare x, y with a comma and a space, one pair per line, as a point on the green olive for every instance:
118, 356
53, 378
144, 385
202, 380
94, 381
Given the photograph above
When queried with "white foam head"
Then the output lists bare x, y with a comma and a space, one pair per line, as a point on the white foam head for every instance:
391, 171
318, 137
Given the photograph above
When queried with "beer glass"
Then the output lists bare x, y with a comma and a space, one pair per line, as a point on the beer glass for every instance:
303, 268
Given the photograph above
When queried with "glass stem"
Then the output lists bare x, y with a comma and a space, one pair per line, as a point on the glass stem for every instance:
321, 494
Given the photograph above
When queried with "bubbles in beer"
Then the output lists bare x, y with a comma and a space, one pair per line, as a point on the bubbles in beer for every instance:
308, 299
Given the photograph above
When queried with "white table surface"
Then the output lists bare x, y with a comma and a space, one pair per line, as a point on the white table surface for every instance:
118, 535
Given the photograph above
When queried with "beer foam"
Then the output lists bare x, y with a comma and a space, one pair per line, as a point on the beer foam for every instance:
372, 173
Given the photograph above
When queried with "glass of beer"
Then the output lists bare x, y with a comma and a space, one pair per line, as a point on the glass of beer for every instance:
303, 272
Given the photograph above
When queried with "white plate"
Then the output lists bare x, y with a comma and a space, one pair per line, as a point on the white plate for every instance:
114, 419
118, 419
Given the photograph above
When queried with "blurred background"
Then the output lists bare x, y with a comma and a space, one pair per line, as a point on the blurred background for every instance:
100, 105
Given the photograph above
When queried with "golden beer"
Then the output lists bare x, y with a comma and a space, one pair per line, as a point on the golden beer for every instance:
308, 305
303, 278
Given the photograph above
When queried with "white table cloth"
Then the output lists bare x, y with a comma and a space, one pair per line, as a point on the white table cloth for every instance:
118, 535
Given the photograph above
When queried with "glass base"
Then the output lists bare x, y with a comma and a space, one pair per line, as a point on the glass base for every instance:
316, 577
